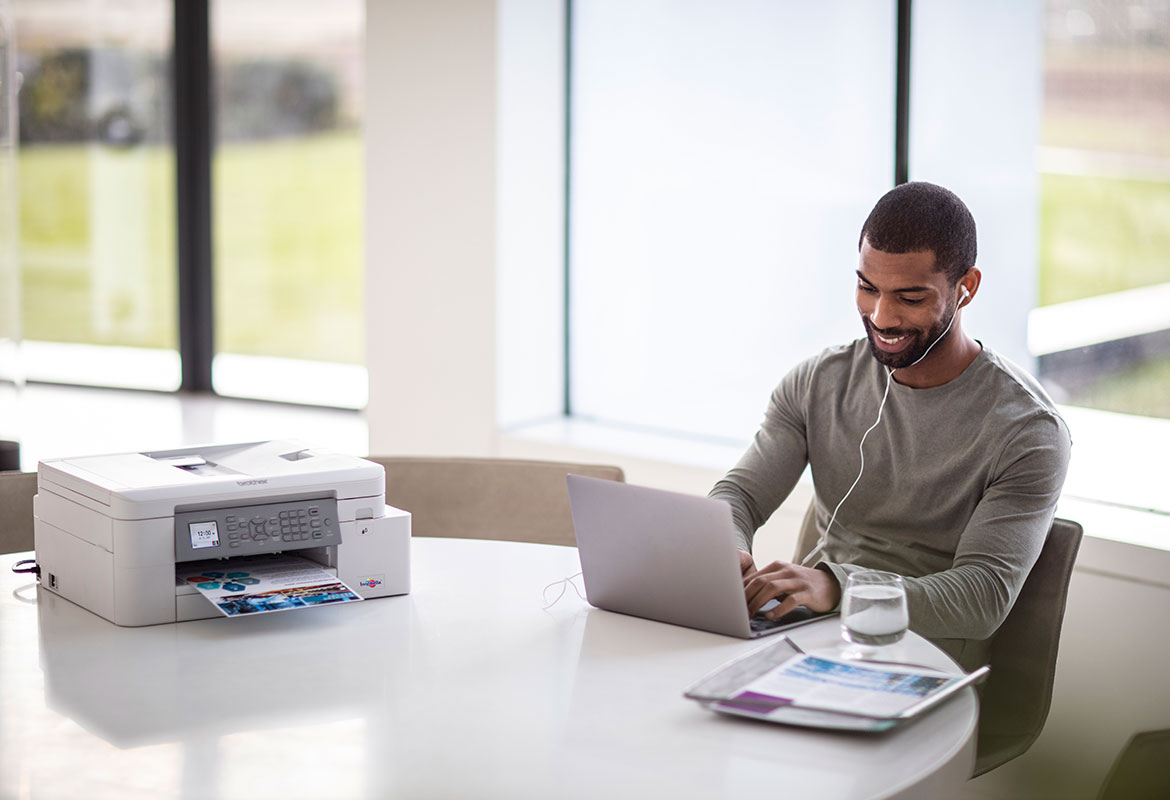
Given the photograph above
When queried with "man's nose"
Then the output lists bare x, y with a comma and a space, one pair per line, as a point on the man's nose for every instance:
883, 315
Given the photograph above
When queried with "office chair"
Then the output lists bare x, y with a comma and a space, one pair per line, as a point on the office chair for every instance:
807, 539
487, 498
1140, 771
1018, 692
16, 511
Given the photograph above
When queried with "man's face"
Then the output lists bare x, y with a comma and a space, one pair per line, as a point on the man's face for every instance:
905, 304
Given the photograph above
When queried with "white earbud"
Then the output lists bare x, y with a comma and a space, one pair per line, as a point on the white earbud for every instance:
965, 292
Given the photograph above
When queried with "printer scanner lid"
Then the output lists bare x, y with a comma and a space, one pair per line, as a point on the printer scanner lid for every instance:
141, 485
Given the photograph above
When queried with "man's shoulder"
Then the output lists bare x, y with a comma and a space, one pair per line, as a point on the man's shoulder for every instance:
1015, 394
1016, 381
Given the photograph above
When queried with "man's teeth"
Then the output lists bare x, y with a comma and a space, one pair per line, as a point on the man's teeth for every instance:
890, 341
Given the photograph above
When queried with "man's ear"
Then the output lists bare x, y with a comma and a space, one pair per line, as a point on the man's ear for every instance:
969, 285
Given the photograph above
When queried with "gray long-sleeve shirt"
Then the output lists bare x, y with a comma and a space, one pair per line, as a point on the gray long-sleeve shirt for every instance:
959, 488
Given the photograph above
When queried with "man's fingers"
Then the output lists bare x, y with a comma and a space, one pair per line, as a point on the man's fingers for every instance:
787, 604
746, 563
780, 581
760, 590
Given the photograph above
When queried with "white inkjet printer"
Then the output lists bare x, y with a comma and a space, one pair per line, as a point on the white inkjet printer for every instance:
110, 530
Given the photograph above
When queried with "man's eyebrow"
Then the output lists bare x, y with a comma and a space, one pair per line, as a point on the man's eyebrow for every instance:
904, 290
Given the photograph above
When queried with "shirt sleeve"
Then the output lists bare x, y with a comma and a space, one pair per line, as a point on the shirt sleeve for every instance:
775, 460
1000, 543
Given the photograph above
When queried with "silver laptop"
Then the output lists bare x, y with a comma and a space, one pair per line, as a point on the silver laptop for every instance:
664, 556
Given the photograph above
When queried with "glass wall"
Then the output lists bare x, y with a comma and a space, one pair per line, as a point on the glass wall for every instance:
1103, 327
722, 160
723, 157
11, 368
974, 124
287, 200
96, 191
97, 196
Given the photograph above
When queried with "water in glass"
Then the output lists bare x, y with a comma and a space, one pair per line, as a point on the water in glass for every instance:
873, 610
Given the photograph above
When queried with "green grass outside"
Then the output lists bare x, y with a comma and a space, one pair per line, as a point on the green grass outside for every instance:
1101, 235
98, 247
1139, 389
74, 286
289, 249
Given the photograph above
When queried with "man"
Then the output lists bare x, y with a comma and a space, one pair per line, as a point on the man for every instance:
964, 464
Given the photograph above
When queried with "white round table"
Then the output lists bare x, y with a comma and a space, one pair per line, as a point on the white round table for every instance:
467, 687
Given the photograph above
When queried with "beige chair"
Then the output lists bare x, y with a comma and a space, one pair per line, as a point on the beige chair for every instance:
487, 498
1018, 692
809, 535
16, 511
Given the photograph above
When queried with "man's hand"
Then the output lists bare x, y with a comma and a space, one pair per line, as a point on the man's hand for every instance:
746, 564
790, 584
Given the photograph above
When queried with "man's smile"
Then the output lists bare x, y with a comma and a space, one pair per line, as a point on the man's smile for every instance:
893, 341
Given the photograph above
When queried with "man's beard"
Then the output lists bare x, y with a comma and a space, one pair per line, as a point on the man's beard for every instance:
905, 358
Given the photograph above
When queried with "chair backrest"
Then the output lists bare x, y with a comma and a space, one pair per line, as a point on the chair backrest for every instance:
16, 511
1140, 771
1018, 692
487, 498
809, 534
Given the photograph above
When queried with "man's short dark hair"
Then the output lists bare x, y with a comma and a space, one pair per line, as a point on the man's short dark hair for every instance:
920, 216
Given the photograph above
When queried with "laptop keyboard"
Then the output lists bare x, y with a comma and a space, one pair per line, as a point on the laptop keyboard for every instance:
761, 623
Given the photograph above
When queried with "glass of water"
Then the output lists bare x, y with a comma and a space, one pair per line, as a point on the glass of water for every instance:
873, 609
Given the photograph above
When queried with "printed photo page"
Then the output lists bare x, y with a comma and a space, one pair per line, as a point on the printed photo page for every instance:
264, 584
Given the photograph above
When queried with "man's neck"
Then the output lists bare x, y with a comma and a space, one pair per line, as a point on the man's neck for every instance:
953, 355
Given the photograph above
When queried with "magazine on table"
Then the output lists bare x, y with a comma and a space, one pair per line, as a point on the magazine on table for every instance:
781, 683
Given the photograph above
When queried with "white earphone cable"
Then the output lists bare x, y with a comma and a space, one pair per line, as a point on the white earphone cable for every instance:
824, 537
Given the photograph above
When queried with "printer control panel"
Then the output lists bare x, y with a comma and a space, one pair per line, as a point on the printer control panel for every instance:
248, 530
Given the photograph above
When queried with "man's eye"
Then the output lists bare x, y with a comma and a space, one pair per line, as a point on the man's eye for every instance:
912, 301
867, 289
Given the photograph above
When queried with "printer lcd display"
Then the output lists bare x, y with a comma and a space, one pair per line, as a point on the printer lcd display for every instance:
204, 534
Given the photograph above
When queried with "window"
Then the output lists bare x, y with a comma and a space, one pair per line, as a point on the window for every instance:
97, 196
10, 373
721, 162
717, 157
96, 192
1102, 328
287, 198
717, 152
